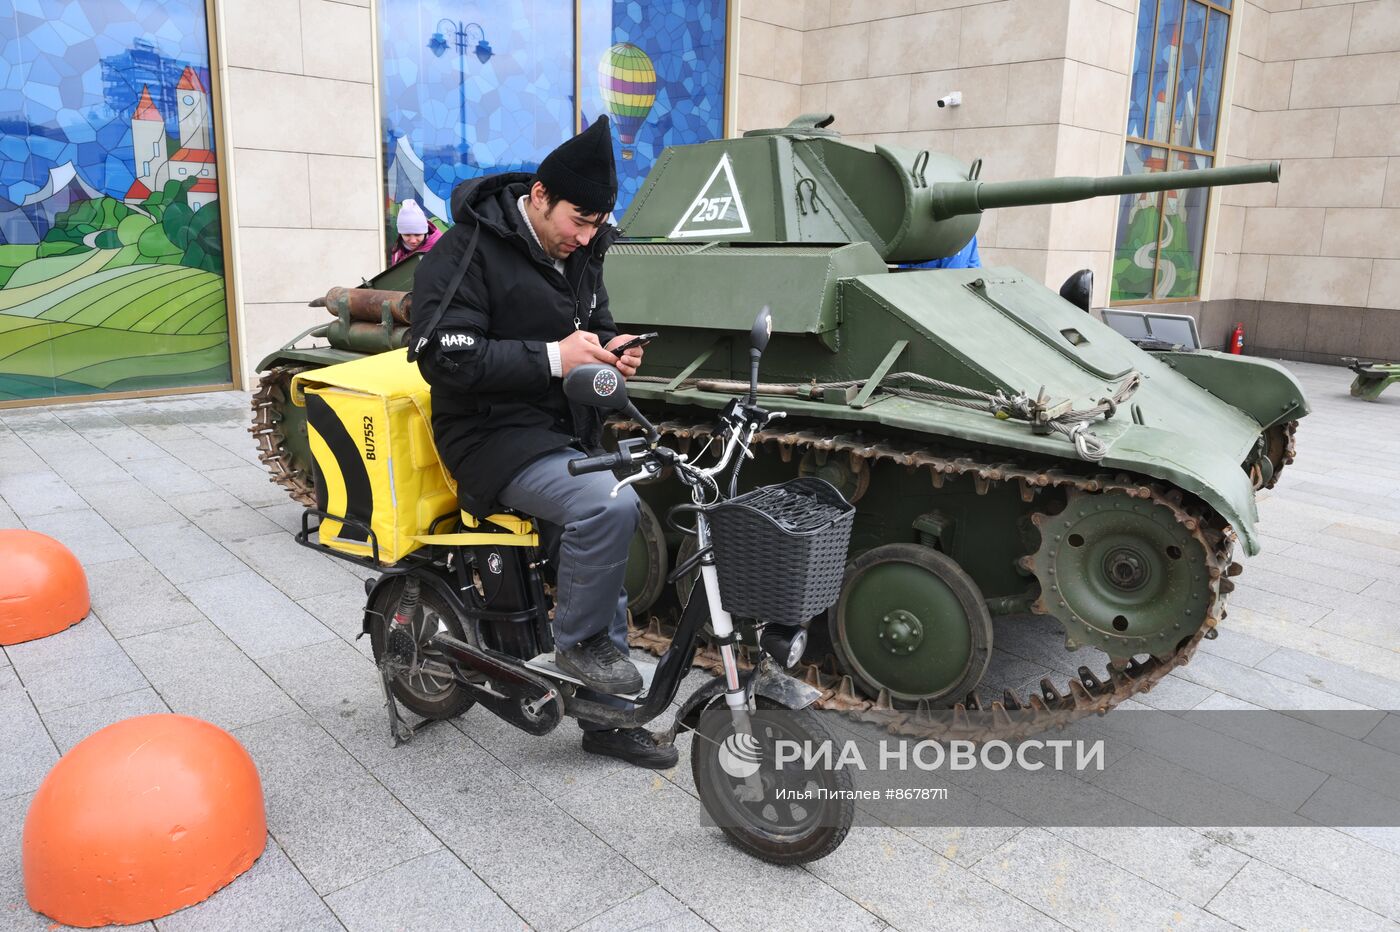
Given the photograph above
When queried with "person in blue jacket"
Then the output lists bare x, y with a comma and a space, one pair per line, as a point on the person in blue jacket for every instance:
965, 258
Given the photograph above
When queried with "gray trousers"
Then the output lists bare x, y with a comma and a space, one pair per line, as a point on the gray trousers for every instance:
598, 530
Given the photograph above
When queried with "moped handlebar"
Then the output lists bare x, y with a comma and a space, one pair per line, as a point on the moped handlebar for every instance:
601, 463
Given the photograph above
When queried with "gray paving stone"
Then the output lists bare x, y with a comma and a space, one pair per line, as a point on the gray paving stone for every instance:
1238, 647
29, 752
435, 891
17, 455
166, 476
1266, 689
85, 466
964, 845
1271, 603
658, 827
339, 687
1173, 693
202, 454
286, 515
543, 863
1329, 859
43, 492
122, 444
87, 666
1343, 645
1385, 590
183, 553
132, 597
1084, 891
1181, 861
1297, 569
8, 519
296, 570
251, 484
199, 672
91, 539
221, 516
342, 611
86, 637
254, 614
1330, 676
69, 726
1263, 897
894, 878
1342, 534
331, 817
1349, 554
128, 504
652, 909
1386, 734
271, 896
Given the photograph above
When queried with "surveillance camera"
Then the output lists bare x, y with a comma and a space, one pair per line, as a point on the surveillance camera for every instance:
951, 100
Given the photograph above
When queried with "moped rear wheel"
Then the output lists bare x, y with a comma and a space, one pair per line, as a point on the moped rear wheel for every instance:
425, 694
802, 815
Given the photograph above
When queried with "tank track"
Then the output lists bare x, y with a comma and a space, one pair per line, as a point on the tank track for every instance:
269, 399
1010, 716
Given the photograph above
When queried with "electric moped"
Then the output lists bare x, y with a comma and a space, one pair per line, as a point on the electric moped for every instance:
466, 621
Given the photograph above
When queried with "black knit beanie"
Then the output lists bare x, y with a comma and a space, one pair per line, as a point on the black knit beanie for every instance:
581, 169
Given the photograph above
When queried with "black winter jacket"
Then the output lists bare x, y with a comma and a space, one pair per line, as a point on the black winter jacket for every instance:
495, 406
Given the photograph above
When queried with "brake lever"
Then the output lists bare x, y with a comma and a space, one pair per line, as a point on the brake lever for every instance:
649, 470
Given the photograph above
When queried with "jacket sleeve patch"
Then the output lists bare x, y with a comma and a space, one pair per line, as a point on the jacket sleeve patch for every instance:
457, 341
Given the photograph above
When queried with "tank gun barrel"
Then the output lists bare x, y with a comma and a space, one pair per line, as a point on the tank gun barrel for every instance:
956, 198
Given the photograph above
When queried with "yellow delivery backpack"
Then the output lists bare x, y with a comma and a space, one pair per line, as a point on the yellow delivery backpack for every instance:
377, 468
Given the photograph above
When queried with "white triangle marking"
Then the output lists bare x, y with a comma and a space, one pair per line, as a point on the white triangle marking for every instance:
714, 205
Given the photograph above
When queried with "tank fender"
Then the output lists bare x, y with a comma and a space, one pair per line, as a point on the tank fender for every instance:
438, 583
1261, 388
763, 680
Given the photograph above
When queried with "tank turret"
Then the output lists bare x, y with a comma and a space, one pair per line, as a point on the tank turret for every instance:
802, 183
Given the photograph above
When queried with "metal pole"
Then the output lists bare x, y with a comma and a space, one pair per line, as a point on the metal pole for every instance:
462, 84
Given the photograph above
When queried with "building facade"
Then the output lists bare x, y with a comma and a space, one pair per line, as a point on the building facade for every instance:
272, 163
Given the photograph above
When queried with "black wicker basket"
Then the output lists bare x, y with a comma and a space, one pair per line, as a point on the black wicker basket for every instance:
781, 549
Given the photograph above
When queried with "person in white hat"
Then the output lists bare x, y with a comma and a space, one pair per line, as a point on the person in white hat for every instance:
416, 234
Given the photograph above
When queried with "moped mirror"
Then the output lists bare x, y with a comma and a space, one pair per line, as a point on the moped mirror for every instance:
596, 385
602, 386
762, 330
758, 342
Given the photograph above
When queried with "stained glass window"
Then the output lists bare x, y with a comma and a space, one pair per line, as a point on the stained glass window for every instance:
1173, 115
111, 248
490, 87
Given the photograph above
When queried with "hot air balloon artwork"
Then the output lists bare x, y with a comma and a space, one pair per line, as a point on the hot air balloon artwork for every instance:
627, 80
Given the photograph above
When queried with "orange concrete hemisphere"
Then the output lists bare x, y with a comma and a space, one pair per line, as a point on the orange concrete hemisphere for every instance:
144, 817
42, 587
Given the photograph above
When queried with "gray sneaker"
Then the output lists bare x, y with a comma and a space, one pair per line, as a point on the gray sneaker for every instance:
600, 665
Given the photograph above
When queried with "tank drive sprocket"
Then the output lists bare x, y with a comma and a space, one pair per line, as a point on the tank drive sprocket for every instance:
1122, 574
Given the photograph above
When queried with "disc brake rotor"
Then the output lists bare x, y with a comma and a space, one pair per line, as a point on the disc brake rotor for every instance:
1121, 574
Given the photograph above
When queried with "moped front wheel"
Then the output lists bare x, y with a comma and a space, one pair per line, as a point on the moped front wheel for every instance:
428, 695
785, 814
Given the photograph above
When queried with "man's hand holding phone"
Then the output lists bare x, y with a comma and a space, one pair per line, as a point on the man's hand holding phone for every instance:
627, 347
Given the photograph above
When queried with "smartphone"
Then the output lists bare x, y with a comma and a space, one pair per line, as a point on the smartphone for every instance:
642, 340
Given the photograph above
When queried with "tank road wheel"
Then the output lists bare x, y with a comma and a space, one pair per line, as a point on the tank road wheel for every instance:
280, 430
910, 621
647, 563
1278, 449
1121, 574
850, 476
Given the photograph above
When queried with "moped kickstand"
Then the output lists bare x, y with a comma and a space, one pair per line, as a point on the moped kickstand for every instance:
400, 732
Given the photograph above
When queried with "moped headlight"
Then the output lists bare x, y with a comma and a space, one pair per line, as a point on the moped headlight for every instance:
784, 643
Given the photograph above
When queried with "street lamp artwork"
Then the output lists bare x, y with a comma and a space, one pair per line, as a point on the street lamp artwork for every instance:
461, 33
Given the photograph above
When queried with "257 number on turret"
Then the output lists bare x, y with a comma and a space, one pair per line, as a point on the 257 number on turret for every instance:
708, 210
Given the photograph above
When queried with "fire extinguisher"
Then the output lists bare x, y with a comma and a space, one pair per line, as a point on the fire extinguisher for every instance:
1236, 344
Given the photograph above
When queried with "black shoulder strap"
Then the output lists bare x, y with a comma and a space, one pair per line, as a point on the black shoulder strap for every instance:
427, 332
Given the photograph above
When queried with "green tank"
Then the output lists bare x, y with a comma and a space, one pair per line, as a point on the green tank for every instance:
1008, 453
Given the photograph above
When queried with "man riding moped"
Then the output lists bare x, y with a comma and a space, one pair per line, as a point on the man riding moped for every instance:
517, 289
